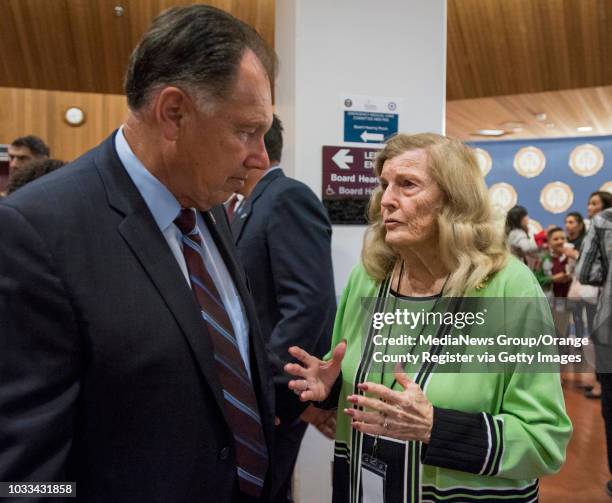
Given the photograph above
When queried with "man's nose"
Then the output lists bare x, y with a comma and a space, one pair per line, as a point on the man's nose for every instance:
258, 158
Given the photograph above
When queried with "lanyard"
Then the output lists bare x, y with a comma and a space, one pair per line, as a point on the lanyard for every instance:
395, 300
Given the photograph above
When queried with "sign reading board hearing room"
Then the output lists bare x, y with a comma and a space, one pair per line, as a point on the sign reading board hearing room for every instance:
348, 182
370, 119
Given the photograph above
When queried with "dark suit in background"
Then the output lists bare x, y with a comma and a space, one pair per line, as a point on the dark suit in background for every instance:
283, 236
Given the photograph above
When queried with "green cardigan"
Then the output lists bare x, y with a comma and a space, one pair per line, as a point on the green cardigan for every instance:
493, 435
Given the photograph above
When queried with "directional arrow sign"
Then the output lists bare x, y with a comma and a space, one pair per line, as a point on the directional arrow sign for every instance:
377, 137
342, 159
348, 180
369, 127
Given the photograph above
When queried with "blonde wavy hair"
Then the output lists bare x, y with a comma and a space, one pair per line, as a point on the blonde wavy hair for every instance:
471, 244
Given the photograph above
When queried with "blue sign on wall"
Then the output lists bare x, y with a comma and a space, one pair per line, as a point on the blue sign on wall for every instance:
369, 127
583, 165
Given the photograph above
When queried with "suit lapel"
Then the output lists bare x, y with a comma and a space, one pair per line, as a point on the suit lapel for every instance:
244, 212
150, 248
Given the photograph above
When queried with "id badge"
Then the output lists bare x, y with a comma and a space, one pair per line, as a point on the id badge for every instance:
373, 477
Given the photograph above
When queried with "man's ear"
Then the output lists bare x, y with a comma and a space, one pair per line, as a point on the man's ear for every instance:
171, 109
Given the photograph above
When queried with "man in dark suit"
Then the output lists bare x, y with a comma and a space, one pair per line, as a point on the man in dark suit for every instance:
283, 236
131, 361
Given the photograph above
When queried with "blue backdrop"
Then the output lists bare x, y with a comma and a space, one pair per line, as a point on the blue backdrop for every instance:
557, 152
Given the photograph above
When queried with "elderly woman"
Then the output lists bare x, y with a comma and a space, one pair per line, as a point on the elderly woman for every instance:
430, 435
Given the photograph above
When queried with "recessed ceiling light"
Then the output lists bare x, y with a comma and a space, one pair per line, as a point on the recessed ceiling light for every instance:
490, 132
541, 116
584, 129
550, 125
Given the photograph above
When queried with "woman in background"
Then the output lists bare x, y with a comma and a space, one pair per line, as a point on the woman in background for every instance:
517, 232
598, 201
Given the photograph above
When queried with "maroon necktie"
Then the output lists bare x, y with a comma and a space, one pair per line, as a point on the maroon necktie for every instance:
231, 206
240, 401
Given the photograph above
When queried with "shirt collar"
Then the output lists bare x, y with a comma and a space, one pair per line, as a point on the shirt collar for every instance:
163, 205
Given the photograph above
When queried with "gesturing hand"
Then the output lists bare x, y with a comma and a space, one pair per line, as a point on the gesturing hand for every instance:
317, 376
404, 415
322, 420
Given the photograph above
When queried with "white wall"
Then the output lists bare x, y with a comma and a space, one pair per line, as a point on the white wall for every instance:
326, 48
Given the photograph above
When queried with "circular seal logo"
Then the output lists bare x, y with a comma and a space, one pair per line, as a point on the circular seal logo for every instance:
348, 103
586, 160
607, 187
534, 226
529, 162
556, 197
392, 106
484, 160
503, 196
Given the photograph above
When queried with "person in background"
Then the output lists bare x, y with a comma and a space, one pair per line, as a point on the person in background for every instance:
594, 269
33, 170
555, 276
25, 149
556, 267
575, 231
582, 309
517, 237
283, 237
598, 201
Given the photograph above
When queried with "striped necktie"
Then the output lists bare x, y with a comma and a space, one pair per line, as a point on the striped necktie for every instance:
240, 401
232, 206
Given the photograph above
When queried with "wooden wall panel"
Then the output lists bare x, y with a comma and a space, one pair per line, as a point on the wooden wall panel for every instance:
81, 45
40, 112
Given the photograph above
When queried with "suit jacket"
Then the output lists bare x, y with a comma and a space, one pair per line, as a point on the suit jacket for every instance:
283, 237
107, 375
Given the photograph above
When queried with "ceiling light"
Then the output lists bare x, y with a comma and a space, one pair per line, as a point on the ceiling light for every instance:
541, 116
490, 132
584, 129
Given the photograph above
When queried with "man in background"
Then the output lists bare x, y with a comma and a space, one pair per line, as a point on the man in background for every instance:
283, 236
131, 359
32, 171
25, 149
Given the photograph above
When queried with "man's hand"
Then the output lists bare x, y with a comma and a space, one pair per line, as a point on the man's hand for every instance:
322, 420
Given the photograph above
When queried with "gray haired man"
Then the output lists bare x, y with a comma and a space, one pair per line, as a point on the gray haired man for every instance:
132, 362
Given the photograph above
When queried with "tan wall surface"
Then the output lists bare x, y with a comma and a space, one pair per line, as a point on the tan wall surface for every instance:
38, 112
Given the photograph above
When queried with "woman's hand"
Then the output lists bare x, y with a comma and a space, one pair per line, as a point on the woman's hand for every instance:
404, 415
317, 376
